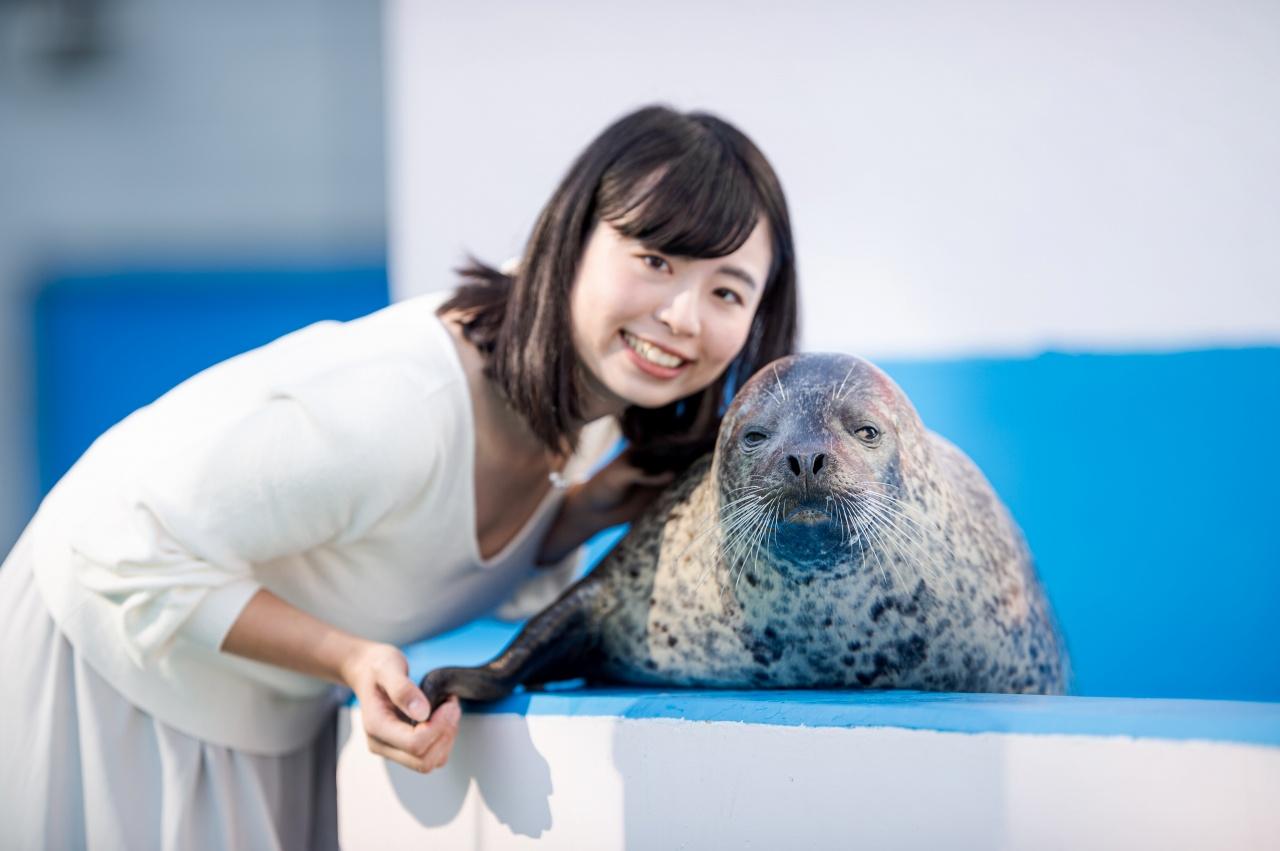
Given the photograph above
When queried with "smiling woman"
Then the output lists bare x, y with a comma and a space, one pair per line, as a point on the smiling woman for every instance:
663, 261
279, 523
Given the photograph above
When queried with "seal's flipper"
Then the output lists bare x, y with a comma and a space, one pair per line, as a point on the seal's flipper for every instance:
559, 643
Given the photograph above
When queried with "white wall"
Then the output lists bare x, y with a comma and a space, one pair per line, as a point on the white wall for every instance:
547, 781
229, 132
982, 176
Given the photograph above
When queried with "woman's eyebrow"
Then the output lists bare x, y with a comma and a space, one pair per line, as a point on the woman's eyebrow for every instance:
738, 273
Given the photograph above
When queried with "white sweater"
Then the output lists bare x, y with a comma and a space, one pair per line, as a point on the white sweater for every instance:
334, 467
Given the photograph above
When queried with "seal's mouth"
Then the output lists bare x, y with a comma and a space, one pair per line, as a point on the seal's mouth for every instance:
808, 515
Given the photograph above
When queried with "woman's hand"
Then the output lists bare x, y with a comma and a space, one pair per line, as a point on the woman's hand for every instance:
278, 633
391, 703
617, 493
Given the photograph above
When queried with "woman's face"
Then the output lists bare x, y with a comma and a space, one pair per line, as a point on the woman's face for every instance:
651, 328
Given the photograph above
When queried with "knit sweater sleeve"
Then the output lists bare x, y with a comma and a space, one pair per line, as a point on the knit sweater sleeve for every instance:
312, 464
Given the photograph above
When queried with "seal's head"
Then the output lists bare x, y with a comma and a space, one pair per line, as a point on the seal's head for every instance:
809, 464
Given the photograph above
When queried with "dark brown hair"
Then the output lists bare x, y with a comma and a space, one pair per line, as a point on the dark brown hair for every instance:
688, 185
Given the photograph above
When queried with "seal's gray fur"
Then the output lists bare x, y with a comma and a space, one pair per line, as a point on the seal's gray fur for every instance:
831, 541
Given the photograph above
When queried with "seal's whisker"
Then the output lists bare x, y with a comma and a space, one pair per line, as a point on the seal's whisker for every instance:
891, 547
904, 523
740, 546
753, 487
732, 508
724, 516
853, 527
773, 528
767, 528
735, 530
726, 524
907, 510
743, 526
839, 394
781, 389
757, 534
913, 536
921, 523
850, 523
881, 548
740, 518
874, 541
911, 547
846, 530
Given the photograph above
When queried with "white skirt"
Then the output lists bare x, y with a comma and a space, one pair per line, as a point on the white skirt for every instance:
81, 767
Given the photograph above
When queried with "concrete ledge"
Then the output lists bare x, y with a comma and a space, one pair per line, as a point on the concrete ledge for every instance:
638, 769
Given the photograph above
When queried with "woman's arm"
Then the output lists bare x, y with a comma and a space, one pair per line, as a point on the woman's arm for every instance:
616, 494
270, 630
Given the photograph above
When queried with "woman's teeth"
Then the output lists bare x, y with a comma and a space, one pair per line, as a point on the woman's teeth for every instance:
652, 353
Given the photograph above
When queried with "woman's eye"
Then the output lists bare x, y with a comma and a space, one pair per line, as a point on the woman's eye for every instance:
729, 296
656, 263
754, 438
868, 433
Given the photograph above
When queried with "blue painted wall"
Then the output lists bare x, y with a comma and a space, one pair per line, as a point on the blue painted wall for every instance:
109, 342
1145, 483
1146, 486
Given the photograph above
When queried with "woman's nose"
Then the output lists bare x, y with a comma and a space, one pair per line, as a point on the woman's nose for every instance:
680, 314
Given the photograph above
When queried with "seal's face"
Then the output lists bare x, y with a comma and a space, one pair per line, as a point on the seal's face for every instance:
807, 461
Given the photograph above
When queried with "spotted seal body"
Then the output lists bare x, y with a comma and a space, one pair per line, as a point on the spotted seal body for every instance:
831, 541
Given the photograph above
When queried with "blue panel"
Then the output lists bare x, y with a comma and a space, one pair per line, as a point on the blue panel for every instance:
108, 343
1146, 485
1145, 718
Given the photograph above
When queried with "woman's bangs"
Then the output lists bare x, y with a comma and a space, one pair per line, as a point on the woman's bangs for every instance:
701, 205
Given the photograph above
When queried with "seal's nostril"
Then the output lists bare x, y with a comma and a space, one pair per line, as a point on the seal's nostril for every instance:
818, 461
794, 463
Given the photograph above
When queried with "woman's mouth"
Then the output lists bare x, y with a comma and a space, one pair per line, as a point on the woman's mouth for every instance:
653, 359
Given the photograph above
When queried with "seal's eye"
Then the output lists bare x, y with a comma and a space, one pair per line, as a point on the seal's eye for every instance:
869, 434
754, 438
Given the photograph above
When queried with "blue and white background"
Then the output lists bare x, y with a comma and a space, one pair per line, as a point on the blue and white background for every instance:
1055, 224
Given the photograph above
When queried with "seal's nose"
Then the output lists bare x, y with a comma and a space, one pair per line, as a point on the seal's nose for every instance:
807, 466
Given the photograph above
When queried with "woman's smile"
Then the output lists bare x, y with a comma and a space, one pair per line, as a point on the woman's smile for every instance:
652, 358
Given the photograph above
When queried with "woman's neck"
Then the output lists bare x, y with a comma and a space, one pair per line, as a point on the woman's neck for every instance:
500, 430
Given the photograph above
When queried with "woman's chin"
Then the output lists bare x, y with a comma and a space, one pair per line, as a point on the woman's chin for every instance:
644, 394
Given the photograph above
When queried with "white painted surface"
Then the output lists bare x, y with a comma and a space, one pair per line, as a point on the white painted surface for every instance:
601, 783
986, 176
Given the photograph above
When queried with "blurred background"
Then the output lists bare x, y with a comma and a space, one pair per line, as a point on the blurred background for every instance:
1055, 224
152, 154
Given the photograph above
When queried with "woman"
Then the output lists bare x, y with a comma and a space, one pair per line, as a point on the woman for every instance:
177, 613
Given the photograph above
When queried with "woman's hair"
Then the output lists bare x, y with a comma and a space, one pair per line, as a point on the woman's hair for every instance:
688, 185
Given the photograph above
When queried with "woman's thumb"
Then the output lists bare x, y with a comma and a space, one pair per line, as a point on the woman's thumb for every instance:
408, 698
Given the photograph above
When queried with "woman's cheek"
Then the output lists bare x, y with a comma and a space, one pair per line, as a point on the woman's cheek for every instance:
732, 343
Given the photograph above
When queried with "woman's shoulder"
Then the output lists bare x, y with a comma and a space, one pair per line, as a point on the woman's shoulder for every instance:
390, 377
403, 347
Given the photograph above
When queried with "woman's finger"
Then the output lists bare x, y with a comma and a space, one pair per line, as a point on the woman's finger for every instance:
404, 694
427, 746
381, 722
447, 716
438, 754
409, 761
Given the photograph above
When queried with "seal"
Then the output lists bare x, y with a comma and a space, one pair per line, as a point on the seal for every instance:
830, 541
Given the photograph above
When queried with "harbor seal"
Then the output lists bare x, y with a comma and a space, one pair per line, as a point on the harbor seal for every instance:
830, 541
